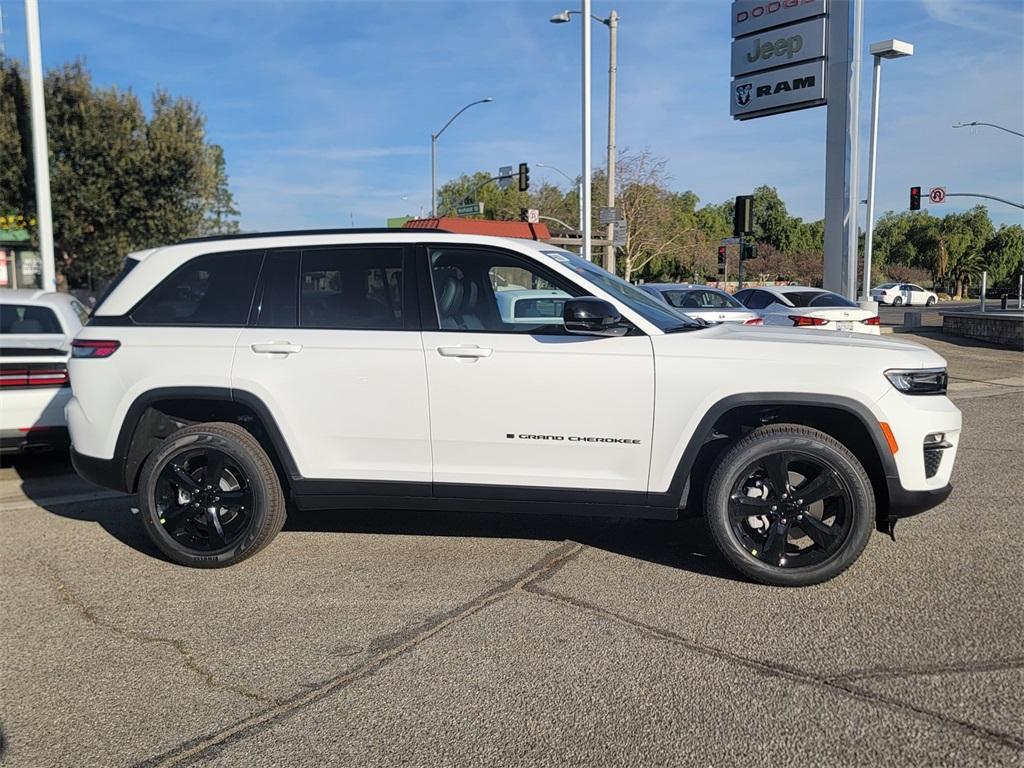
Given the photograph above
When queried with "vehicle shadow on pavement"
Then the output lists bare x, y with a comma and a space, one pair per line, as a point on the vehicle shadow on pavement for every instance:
684, 544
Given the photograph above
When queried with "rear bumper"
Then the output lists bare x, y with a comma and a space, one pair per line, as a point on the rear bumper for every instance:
904, 503
34, 440
108, 473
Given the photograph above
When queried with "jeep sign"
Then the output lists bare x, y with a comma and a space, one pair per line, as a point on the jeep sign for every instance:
778, 47
749, 16
779, 90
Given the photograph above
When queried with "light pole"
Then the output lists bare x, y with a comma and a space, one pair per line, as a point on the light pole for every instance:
612, 22
887, 49
578, 185
990, 125
433, 154
40, 154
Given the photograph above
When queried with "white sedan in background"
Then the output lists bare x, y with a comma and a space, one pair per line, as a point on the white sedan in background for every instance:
897, 294
704, 303
36, 329
798, 306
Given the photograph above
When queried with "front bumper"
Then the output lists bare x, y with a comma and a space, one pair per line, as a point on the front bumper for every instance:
904, 503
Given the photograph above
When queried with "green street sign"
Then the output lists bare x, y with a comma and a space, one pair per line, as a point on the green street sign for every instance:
471, 209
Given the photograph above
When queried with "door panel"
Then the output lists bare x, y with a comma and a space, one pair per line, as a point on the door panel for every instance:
553, 411
514, 399
337, 357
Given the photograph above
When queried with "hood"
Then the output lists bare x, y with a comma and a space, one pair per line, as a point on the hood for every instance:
801, 346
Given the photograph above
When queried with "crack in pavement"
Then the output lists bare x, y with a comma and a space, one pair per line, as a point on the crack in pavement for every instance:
991, 665
389, 648
783, 671
190, 663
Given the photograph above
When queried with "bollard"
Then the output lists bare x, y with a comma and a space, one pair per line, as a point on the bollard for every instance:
1002, 302
984, 288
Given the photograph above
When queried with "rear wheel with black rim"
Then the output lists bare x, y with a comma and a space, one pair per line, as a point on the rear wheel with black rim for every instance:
209, 496
897, 301
789, 505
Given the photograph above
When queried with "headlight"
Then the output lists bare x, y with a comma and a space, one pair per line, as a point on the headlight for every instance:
920, 381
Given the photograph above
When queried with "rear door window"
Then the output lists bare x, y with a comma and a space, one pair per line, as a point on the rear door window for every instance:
758, 299
277, 305
352, 288
28, 319
214, 290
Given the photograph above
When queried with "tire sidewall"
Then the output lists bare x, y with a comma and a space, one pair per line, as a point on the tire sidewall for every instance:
746, 452
150, 517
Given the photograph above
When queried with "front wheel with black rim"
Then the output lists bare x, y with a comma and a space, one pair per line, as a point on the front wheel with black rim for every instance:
209, 496
790, 506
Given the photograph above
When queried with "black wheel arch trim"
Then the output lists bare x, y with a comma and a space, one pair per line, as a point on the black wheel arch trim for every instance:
674, 495
138, 407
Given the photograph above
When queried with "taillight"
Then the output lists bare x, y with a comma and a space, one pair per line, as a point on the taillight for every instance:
808, 320
754, 321
93, 348
876, 320
19, 376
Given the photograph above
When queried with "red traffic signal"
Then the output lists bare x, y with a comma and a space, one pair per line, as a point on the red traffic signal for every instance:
721, 254
915, 198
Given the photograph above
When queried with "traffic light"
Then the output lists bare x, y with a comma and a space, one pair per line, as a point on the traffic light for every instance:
524, 214
524, 178
748, 251
915, 198
743, 216
721, 259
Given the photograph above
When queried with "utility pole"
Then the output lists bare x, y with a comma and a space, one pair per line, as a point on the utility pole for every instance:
585, 158
613, 28
40, 153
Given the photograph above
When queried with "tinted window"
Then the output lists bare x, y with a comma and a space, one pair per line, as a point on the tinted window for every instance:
756, 299
818, 299
215, 289
915, 287
701, 299
278, 303
351, 288
28, 318
479, 290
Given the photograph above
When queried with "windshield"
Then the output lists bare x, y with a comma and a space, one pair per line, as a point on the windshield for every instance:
645, 305
817, 299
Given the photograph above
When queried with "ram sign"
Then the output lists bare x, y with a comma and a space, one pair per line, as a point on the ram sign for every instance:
778, 56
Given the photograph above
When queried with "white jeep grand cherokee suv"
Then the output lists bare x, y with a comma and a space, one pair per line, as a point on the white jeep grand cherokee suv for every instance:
222, 377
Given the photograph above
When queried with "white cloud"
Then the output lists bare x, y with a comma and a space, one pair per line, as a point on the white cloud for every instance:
977, 16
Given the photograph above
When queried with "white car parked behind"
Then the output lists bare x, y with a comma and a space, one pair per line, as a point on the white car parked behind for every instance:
712, 305
798, 306
36, 329
897, 294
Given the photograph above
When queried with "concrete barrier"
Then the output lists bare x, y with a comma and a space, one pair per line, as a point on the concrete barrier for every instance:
911, 319
1003, 328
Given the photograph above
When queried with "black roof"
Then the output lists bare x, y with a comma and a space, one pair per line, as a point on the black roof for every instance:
296, 232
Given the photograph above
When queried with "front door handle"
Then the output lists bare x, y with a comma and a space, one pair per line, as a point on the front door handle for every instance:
470, 350
277, 347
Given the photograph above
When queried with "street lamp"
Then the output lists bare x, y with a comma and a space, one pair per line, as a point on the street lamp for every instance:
433, 154
571, 180
887, 49
612, 22
990, 125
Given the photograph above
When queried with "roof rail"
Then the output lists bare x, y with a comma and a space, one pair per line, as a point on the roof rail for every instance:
297, 232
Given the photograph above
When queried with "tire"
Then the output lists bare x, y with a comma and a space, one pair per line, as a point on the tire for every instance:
897, 301
210, 525
931, 301
768, 536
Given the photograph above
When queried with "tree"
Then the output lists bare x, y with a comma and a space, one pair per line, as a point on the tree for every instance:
119, 182
1003, 253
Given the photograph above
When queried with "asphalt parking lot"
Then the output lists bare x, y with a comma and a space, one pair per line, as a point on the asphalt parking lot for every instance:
455, 639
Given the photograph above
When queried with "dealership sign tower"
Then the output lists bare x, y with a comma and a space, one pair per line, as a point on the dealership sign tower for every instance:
795, 54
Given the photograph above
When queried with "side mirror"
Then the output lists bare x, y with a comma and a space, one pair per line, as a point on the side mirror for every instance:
589, 316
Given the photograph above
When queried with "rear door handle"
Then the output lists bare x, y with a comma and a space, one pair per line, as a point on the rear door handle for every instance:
277, 347
471, 351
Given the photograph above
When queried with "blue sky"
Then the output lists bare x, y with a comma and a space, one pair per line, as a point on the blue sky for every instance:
325, 109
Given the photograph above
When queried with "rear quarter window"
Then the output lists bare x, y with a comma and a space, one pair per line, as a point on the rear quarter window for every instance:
215, 289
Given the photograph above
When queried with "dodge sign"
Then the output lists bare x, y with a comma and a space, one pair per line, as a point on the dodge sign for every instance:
749, 16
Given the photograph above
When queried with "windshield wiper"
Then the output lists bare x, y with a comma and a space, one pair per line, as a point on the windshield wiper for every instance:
695, 326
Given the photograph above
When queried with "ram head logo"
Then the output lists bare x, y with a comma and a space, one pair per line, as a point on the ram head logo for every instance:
743, 94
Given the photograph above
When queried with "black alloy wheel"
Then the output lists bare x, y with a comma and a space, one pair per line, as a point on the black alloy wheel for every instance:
204, 499
789, 505
790, 510
209, 496
897, 301
931, 301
